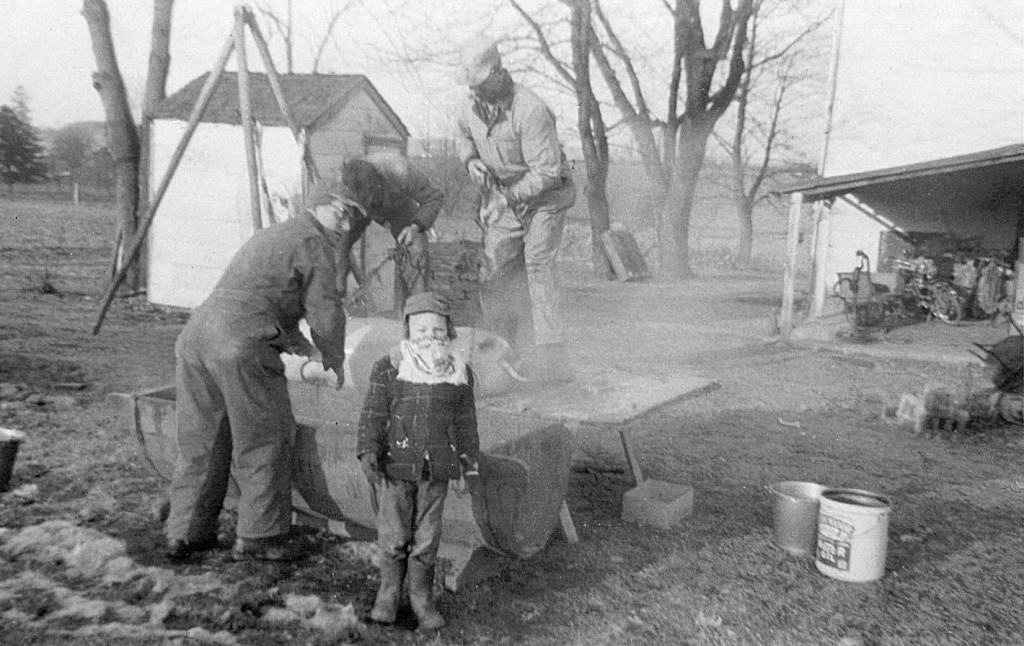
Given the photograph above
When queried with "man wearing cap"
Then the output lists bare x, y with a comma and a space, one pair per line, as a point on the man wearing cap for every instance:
232, 400
417, 432
506, 138
402, 199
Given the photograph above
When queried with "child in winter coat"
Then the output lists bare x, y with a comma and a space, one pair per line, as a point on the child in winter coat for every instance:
417, 432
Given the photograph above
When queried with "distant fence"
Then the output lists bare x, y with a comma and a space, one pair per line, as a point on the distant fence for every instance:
57, 192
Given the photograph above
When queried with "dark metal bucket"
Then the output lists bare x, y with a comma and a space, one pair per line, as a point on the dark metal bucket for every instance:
9, 441
796, 515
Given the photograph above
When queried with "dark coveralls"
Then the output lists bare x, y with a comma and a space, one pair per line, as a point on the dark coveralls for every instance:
411, 199
232, 398
418, 431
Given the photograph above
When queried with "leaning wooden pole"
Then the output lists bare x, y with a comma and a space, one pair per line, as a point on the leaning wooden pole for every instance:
193, 122
245, 109
275, 86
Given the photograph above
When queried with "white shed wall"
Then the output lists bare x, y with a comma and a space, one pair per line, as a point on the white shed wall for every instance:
205, 215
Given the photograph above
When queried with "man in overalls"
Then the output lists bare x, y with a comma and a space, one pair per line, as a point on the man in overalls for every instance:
233, 408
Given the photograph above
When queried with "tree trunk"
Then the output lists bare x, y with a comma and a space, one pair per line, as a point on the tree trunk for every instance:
677, 208
593, 139
156, 84
122, 137
745, 219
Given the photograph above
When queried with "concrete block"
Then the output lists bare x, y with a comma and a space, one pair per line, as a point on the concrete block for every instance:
657, 503
914, 411
910, 409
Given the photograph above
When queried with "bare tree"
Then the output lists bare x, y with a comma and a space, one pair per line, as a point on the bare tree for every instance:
284, 27
759, 129
72, 146
590, 122
697, 86
122, 135
156, 91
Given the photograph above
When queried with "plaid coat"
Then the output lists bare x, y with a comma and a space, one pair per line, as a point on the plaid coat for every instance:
407, 424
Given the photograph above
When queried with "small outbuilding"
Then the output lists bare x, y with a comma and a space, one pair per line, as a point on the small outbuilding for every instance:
977, 197
205, 215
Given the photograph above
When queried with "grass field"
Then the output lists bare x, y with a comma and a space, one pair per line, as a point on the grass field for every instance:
953, 570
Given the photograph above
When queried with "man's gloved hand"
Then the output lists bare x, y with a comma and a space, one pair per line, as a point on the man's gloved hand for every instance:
406, 235
369, 463
479, 172
334, 379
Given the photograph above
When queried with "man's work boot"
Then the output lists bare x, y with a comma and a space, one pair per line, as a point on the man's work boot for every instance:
389, 594
421, 595
272, 548
179, 551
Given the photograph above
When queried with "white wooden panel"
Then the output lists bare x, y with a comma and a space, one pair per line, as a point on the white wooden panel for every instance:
204, 217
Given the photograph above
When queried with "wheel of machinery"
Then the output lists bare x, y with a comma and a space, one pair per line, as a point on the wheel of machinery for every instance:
946, 305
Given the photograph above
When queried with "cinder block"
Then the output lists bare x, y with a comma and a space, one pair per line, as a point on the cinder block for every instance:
657, 503
911, 409
914, 410
952, 421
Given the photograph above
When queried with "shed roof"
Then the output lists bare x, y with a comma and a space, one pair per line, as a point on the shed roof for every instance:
310, 97
990, 182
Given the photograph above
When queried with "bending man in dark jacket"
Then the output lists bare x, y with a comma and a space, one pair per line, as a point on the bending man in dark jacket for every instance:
232, 397
402, 199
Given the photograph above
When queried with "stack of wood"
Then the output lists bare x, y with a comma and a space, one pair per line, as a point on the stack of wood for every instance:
456, 276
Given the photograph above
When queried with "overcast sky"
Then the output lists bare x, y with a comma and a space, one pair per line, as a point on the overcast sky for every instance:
45, 47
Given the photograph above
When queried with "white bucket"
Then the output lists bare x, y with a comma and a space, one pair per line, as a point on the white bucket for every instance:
853, 534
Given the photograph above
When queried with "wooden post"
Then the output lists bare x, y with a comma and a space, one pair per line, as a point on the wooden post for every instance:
1017, 314
245, 108
275, 86
193, 122
796, 202
819, 251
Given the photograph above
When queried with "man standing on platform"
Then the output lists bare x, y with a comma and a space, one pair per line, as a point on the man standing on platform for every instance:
507, 139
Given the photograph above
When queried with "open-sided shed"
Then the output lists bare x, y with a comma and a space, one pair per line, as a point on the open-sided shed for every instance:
205, 214
978, 196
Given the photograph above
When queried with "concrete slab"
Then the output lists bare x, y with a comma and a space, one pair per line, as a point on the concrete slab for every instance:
609, 397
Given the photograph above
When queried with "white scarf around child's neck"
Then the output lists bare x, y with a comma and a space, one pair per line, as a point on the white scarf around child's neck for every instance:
434, 364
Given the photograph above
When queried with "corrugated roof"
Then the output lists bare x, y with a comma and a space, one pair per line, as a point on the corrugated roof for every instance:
987, 186
828, 187
309, 97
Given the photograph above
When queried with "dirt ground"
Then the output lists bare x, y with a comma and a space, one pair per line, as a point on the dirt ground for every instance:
81, 555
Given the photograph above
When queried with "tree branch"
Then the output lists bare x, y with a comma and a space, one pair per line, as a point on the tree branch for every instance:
620, 51
327, 38
545, 47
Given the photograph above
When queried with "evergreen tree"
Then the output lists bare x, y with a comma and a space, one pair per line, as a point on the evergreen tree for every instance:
22, 157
